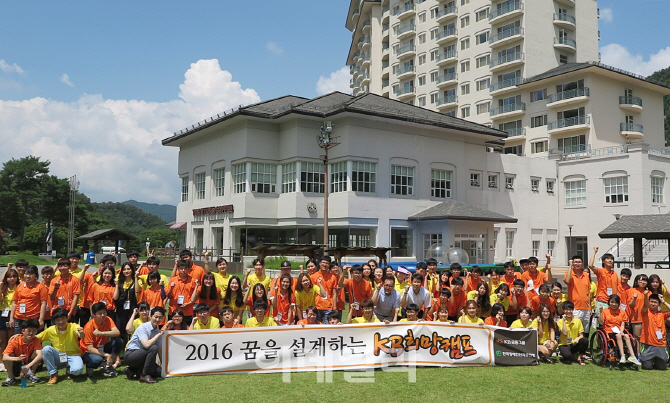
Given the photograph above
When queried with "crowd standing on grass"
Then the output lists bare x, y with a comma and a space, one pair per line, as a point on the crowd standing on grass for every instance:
88, 321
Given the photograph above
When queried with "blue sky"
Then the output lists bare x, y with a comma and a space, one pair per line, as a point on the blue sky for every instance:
94, 86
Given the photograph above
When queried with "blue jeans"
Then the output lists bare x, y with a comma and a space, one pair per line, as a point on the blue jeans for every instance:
52, 360
113, 347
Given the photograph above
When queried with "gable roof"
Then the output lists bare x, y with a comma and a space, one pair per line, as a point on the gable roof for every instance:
650, 226
456, 210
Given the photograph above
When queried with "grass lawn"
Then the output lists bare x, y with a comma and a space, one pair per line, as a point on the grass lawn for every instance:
32, 259
558, 382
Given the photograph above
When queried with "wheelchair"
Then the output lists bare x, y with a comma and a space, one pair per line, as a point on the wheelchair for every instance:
604, 350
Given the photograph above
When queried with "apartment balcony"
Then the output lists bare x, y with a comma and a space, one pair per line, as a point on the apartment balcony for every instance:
631, 104
561, 99
365, 80
518, 133
509, 110
446, 35
405, 72
351, 83
506, 12
385, 83
632, 131
511, 59
570, 3
447, 102
565, 44
365, 62
565, 20
446, 14
355, 14
385, 46
357, 57
447, 79
360, 43
568, 125
406, 11
385, 9
405, 93
406, 51
385, 64
366, 27
446, 57
405, 31
506, 36
505, 85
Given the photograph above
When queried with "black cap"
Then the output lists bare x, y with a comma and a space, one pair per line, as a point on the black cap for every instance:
285, 264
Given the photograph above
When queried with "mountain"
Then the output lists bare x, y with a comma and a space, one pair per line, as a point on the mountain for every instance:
663, 77
165, 211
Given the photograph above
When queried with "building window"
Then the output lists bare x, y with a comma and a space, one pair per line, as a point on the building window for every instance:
482, 14
483, 37
200, 186
263, 178
465, 21
465, 66
422, 38
563, 59
440, 183
465, 44
338, 177
464, 2
311, 177
534, 185
509, 243
219, 181
402, 180
475, 179
483, 84
465, 89
493, 181
422, 17
550, 186
575, 193
422, 59
483, 108
537, 121
363, 176
422, 101
184, 188
401, 239
465, 112
422, 81
483, 61
428, 241
551, 245
572, 144
240, 178
535, 248
288, 177
538, 95
616, 189
434, 97
657, 189
509, 182
539, 146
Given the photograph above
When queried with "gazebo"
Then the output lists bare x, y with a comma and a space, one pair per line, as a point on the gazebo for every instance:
651, 226
110, 234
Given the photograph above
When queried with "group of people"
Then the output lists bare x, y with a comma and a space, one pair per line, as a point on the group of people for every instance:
86, 319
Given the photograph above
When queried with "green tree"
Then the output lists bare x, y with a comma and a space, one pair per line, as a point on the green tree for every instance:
23, 179
663, 77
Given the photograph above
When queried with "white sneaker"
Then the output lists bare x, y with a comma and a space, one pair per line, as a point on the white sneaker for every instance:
2, 367
634, 360
622, 360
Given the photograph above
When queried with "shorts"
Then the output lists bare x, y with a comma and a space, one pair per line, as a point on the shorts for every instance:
3, 323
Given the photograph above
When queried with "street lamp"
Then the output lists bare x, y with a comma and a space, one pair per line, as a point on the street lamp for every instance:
74, 186
326, 141
617, 216
570, 242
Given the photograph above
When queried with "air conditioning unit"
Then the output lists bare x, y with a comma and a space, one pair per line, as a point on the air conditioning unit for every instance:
474, 183
550, 190
509, 186
533, 188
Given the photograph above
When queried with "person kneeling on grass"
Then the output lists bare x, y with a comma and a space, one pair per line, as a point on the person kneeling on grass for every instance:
64, 349
20, 349
203, 320
143, 348
571, 344
101, 344
260, 319
613, 320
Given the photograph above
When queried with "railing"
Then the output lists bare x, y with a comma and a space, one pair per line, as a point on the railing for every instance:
405, 28
576, 152
575, 148
510, 82
630, 101
385, 64
405, 69
445, 11
507, 8
632, 127
385, 46
385, 9
403, 91
402, 10
168, 254
560, 96
447, 77
506, 59
405, 49
577, 120
565, 41
385, 27
446, 55
565, 17
506, 34
445, 33
366, 24
517, 131
516, 106
385, 83
447, 100
659, 150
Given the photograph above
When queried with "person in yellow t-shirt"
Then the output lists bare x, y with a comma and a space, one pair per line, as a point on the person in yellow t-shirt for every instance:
442, 314
305, 294
469, 315
401, 279
140, 315
572, 344
546, 331
368, 308
524, 321
251, 279
412, 312
64, 338
203, 319
260, 319
221, 276
558, 296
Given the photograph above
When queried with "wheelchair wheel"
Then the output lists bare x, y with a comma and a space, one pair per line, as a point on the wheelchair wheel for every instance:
599, 349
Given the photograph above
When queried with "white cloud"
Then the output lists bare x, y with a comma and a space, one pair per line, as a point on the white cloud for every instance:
338, 81
274, 48
10, 68
618, 56
114, 146
65, 79
606, 14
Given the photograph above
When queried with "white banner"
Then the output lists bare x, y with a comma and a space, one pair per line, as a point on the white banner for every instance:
334, 347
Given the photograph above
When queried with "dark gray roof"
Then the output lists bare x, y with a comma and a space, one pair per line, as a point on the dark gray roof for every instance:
338, 102
652, 226
456, 210
106, 234
570, 67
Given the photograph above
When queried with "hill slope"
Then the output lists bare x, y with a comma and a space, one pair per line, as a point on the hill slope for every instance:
165, 211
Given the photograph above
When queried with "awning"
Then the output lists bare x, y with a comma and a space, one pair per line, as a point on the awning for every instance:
178, 225
455, 210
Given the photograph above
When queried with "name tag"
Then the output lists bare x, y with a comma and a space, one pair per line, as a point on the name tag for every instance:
126, 305
63, 358
659, 335
623, 307
180, 300
279, 316
609, 291
304, 314
615, 330
61, 301
22, 308
5, 313
569, 340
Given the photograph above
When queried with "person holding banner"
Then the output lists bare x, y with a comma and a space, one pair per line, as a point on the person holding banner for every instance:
469, 314
143, 348
412, 311
203, 320
260, 319
497, 317
359, 289
310, 316
368, 313
386, 300
524, 321
227, 318
176, 322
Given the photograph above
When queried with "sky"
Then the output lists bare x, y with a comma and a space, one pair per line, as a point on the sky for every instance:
94, 87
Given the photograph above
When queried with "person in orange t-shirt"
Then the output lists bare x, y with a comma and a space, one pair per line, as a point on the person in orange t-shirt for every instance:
534, 278
101, 343
510, 275
193, 270
613, 320
358, 289
607, 279
227, 318
208, 293
497, 317
180, 291
29, 301
458, 299
543, 298
283, 301
65, 290
310, 316
103, 290
23, 353
47, 276
636, 295
284, 268
518, 300
329, 284
155, 294
578, 281
654, 354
